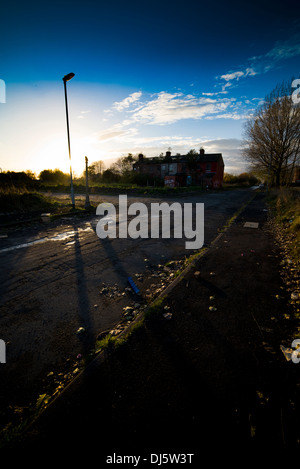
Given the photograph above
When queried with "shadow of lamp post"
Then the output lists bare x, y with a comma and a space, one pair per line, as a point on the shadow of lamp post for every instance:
65, 79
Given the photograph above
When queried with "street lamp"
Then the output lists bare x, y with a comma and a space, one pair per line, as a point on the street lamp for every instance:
65, 79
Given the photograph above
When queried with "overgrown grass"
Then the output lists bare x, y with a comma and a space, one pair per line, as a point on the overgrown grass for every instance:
285, 205
111, 342
20, 199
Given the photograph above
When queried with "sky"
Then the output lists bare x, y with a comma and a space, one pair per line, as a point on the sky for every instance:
149, 76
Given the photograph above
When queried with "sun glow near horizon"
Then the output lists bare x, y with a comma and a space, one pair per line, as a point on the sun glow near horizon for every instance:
55, 155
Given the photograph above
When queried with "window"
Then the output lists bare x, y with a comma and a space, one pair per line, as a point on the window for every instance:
208, 167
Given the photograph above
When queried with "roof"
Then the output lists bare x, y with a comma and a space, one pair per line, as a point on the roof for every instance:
206, 158
210, 157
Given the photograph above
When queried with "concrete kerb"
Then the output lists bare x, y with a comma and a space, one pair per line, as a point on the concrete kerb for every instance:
102, 355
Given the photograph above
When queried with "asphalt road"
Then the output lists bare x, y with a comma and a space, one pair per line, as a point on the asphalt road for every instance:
50, 281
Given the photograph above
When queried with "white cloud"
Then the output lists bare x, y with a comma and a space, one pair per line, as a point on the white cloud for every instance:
82, 114
116, 131
228, 115
215, 94
232, 76
125, 103
237, 75
167, 108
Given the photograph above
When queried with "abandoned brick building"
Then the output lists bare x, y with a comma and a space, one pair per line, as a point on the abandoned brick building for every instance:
203, 169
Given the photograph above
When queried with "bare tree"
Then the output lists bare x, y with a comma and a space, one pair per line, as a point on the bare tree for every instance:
97, 167
272, 144
123, 165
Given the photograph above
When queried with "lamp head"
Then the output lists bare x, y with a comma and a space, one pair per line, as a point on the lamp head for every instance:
68, 77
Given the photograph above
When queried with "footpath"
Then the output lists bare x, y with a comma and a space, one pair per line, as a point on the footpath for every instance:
208, 373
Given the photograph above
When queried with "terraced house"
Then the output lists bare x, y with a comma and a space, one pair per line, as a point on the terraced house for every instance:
194, 169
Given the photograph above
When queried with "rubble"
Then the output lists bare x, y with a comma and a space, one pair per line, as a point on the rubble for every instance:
112, 291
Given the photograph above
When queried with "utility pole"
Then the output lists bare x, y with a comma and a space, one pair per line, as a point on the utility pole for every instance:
87, 204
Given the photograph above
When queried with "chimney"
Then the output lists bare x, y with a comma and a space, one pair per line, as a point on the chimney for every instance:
141, 156
202, 151
168, 154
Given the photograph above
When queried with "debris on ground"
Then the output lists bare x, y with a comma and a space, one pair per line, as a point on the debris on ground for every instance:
133, 286
112, 291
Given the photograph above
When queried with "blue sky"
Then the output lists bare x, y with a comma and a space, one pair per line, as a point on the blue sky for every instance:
149, 75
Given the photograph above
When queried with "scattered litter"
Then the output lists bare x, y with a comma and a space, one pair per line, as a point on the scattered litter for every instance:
287, 352
45, 217
212, 308
242, 254
42, 400
114, 332
167, 315
212, 274
197, 274
110, 291
128, 310
278, 297
211, 298
133, 285
80, 330
3, 236
79, 356
295, 296
263, 399
251, 224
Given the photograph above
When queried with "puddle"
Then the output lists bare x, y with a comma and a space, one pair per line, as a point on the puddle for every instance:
58, 237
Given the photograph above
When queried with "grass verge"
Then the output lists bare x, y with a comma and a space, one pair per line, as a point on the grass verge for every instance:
285, 208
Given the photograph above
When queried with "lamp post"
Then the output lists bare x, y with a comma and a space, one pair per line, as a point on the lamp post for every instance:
65, 79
